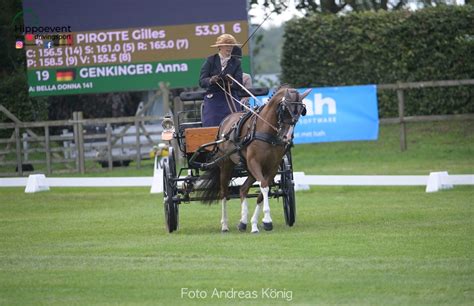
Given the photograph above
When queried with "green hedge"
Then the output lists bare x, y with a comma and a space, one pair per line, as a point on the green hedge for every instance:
386, 47
14, 97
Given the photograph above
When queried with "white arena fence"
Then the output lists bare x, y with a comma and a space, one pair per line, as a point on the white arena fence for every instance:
433, 182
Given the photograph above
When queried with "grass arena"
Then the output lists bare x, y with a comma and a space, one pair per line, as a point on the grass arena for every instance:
349, 245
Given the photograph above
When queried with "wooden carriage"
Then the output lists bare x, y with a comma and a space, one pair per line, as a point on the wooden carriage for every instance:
196, 144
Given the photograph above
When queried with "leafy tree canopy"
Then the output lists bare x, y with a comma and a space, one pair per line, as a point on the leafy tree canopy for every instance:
339, 6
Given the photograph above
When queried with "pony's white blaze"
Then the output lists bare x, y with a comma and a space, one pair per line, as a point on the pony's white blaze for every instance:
289, 133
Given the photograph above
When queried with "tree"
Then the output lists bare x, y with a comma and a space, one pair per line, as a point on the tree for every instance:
10, 59
13, 83
336, 6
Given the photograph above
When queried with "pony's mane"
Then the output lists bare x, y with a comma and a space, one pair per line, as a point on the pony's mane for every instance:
278, 90
282, 86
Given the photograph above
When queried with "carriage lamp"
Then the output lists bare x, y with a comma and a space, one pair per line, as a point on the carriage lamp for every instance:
168, 128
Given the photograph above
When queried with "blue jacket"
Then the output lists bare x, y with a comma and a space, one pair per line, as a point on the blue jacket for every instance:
212, 66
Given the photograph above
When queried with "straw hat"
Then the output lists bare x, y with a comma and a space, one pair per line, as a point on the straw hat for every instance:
226, 40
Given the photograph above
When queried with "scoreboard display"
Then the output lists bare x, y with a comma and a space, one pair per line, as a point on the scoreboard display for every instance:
75, 47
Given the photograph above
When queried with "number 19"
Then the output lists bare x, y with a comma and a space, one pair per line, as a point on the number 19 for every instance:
42, 75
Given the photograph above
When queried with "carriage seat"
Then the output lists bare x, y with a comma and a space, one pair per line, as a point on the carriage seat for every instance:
195, 137
186, 125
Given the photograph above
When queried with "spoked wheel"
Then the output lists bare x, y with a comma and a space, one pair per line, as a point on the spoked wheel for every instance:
288, 187
170, 190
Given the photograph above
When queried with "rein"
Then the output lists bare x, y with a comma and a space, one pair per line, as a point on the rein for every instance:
228, 99
245, 106
234, 137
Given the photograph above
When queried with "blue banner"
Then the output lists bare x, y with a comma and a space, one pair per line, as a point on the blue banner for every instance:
344, 113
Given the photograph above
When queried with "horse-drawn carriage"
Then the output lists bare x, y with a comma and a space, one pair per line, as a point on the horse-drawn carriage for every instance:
210, 150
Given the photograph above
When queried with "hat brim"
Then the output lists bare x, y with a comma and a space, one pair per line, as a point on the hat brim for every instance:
222, 45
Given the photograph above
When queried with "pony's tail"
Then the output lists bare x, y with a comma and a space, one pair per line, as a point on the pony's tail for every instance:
210, 185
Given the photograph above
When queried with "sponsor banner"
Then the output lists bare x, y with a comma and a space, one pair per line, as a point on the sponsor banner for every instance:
344, 113
339, 114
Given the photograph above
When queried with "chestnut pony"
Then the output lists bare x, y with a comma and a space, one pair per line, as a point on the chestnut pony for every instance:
260, 142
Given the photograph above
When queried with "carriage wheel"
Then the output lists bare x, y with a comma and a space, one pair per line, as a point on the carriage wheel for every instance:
170, 190
288, 187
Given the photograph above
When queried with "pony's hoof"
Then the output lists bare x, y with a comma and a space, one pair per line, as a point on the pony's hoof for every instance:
224, 230
255, 232
242, 227
268, 226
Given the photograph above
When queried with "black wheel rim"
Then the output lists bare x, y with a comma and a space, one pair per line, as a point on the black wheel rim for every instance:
169, 192
174, 186
288, 188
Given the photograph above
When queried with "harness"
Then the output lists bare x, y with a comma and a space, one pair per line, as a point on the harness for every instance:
239, 143
274, 140
233, 135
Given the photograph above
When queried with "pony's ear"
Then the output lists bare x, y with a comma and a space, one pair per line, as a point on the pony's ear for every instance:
304, 94
287, 95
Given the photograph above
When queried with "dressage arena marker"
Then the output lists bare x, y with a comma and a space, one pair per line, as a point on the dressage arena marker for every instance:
36, 183
434, 182
157, 183
438, 181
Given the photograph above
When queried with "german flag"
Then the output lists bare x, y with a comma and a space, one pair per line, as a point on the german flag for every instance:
65, 75
70, 39
66, 40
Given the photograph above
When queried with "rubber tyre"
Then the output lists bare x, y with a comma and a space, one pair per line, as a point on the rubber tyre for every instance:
170, 191
288, 187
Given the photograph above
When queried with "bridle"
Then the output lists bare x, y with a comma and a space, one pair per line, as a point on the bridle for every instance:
295, 108
288, 113
299, 108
